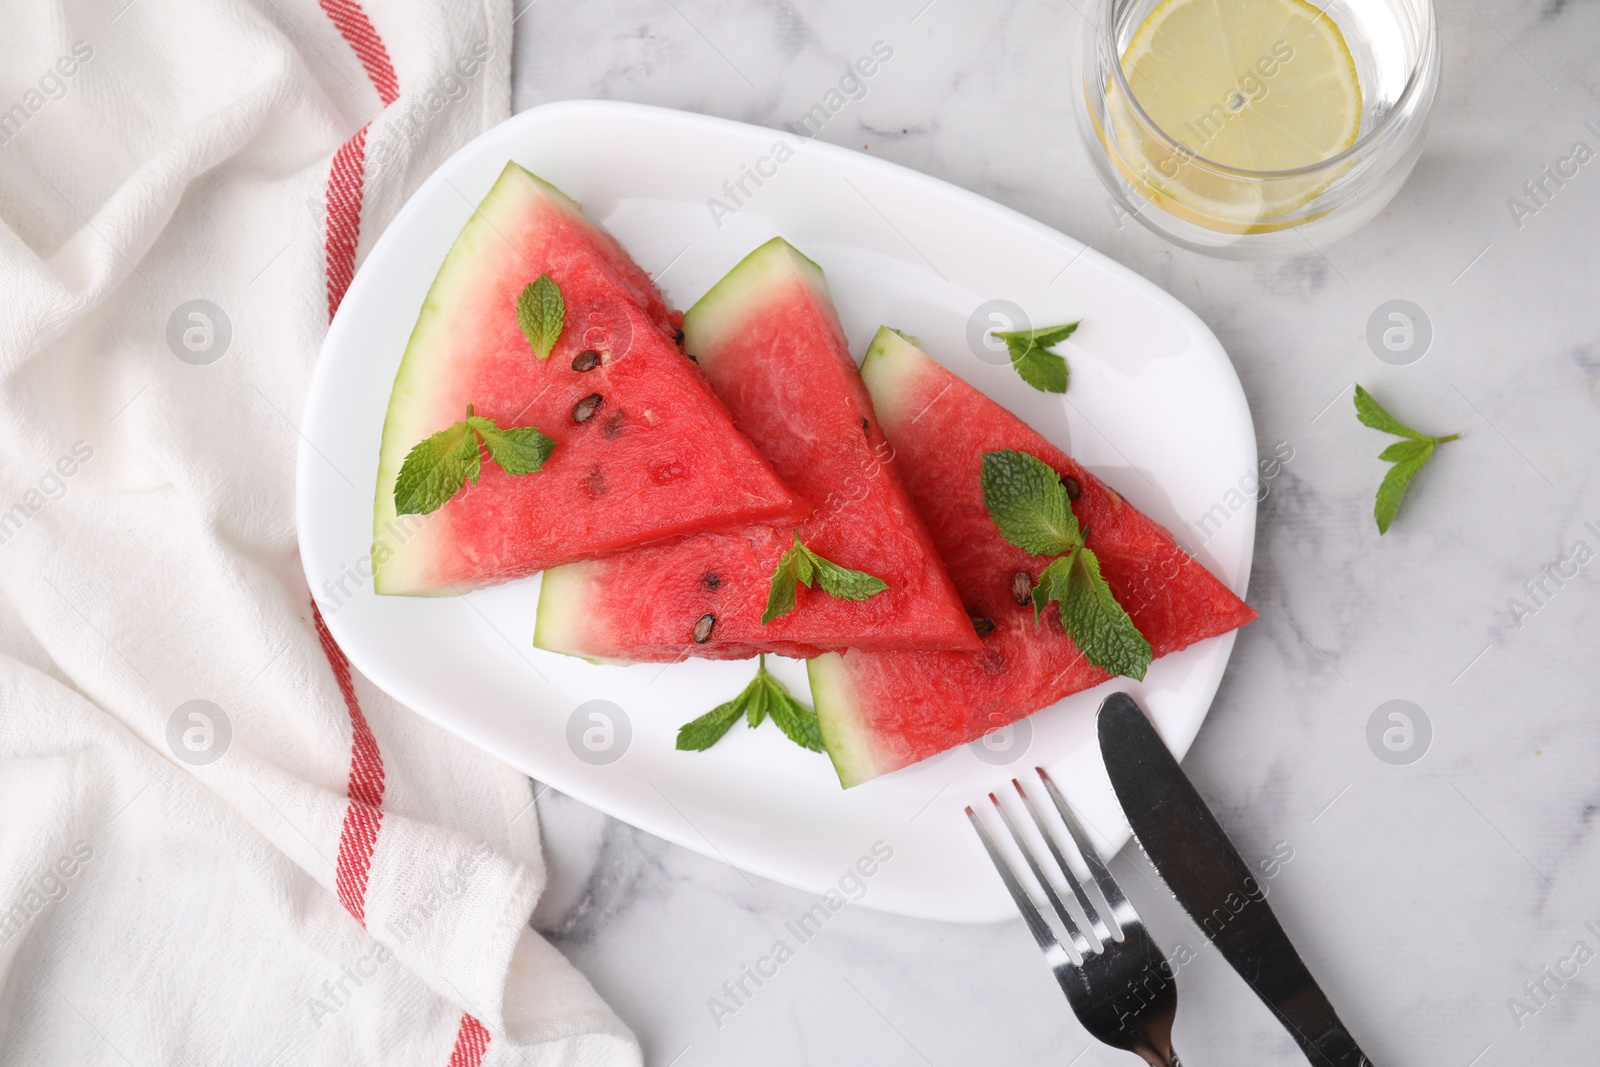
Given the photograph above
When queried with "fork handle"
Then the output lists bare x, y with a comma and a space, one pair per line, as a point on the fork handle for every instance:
1152, 1039
1158, 1059
1162, 1056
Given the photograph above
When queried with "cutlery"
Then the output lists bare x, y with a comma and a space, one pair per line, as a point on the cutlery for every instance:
1118, 982
1205, 873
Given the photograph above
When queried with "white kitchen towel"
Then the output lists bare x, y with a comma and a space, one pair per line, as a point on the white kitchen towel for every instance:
217, 845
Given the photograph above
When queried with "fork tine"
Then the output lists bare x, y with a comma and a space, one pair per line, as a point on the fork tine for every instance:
1079, 942
1122, 912
1094, 981
1037, 926
1096, 923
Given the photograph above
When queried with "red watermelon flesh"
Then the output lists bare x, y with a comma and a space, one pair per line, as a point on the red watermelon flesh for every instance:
659, 459
769, 341
882, 711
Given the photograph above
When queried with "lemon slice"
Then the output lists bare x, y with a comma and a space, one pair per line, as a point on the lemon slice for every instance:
1246, 85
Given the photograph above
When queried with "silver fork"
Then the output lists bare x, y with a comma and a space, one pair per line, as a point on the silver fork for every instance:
1118, 982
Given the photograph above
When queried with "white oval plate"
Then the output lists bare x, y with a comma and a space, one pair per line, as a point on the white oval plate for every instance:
1154, 408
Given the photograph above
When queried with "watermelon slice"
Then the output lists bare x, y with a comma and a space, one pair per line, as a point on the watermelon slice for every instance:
883, 711
769, 341
658, 459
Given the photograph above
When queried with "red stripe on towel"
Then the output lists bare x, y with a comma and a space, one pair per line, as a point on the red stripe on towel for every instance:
364, 816
357, 30
342, 229
342, 235
472, 1041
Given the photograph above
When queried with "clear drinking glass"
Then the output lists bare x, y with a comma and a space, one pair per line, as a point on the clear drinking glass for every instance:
1164, 179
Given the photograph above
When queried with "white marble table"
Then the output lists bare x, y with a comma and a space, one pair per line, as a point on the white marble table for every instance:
1426, 897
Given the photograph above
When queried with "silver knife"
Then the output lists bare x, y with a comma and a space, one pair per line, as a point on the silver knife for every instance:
1205, 873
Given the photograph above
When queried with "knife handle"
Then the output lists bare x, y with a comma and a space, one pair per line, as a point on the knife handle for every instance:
1336, 1049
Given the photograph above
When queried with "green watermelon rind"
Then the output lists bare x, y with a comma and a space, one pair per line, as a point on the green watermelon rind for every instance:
563, 607
728, 302
890, 364
892, 361
404, 422
844, 736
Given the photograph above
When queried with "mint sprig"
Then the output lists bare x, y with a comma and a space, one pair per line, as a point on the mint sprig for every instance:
1408, 455
800, 566
765, 697
1029, 506
438, 466
1032, 359
542, 314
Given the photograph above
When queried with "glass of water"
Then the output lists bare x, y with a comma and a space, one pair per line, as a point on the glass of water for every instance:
1255, 128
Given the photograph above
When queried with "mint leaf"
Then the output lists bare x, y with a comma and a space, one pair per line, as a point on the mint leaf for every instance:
1028, 503
1371, 413
542, 314
1094, 620
804, 562
1048, 336
798, 722
1408, 456
801, 566
1045, 371
435, 469
764, 697
1044, 336
1052, 584
781, 593
518, 450
1405, 450
842, 582
756, 709
708, 729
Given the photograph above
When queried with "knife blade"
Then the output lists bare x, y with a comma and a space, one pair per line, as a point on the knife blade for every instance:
1206, 874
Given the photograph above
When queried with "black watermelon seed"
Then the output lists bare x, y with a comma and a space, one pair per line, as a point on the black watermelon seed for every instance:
982, 625
703, 628
710, 580
584, 409
586, 360
1074, 490
692, 358
677, 334
614, 424
865, 426
1022, 588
